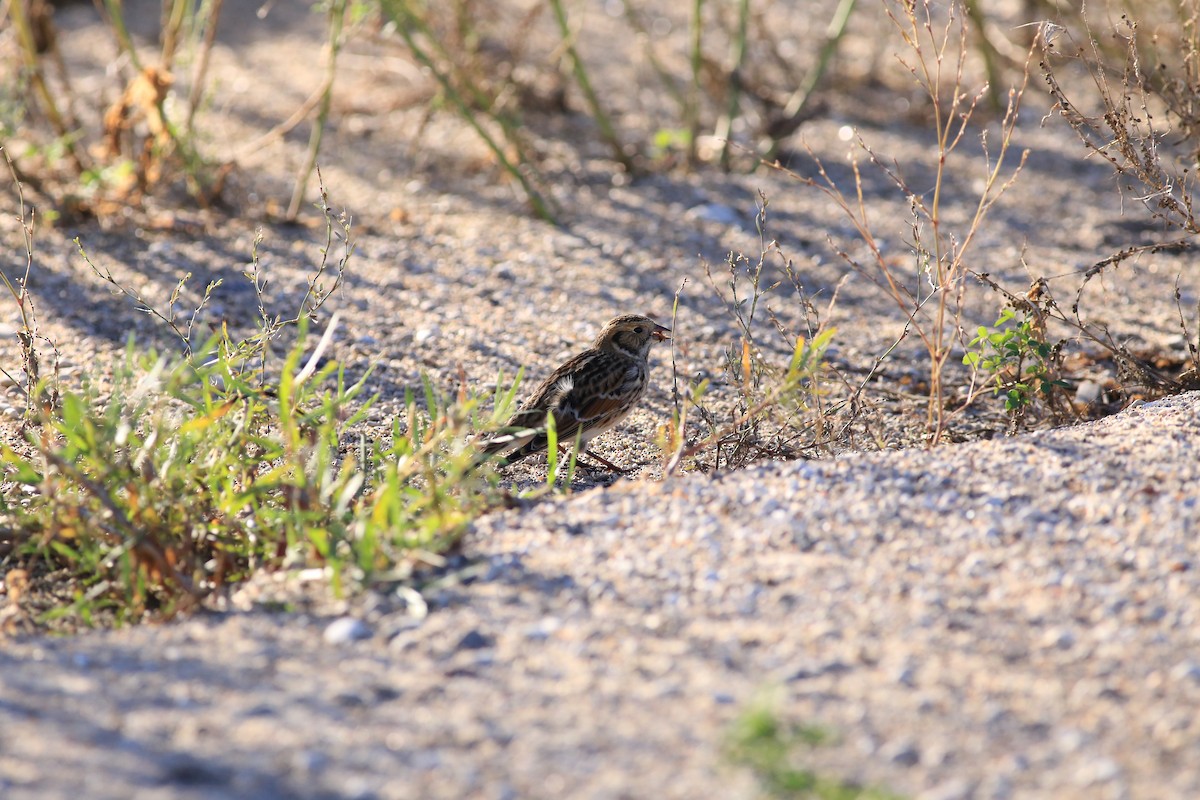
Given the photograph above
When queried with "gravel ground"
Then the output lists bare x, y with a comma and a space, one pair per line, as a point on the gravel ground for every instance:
1007, 618
1010, 618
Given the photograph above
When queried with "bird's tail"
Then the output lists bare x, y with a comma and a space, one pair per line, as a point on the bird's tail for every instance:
514, 444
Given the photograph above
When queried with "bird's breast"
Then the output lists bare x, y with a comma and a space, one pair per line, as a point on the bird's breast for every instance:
635, 377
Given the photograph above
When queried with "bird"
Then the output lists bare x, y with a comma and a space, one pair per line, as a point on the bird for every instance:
587, 395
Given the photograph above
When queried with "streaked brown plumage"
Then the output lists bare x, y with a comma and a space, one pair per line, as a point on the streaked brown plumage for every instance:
588, 394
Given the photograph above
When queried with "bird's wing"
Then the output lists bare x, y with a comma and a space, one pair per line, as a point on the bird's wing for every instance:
592, 390
526, 429
600, 389
588, 387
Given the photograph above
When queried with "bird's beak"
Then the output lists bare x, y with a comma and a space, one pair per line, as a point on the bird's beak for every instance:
660, 333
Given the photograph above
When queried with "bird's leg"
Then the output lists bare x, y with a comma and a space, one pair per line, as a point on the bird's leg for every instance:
604, 461
564, 454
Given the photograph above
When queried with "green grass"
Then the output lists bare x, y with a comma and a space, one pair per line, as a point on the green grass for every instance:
180, 478
773, 751
145, 489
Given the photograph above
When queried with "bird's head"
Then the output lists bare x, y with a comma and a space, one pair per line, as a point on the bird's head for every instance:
631, 334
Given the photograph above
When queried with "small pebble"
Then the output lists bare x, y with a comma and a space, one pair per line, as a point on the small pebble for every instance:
473, 640
346, 629
714, 212
1087, 392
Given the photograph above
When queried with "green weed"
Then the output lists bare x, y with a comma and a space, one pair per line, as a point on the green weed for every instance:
770, 748
145, 491
181, 478
1016, 360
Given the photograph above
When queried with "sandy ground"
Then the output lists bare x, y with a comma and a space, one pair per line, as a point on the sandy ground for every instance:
1003, 618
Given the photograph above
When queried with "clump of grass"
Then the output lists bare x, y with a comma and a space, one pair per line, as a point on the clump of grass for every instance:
779, 375
1147, 49
37, 43
189, 477
1142, 121
130, 164
1136, 114
465, 91
1144, 126
37, 389
770, 748
148, 137
147, 491
932, 299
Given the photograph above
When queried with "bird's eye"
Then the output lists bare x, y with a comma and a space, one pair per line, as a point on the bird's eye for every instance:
639, 329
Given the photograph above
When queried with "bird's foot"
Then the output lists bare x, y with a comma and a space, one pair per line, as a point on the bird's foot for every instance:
608, 464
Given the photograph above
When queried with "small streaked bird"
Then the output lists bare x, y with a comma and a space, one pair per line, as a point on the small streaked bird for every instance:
587, 395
